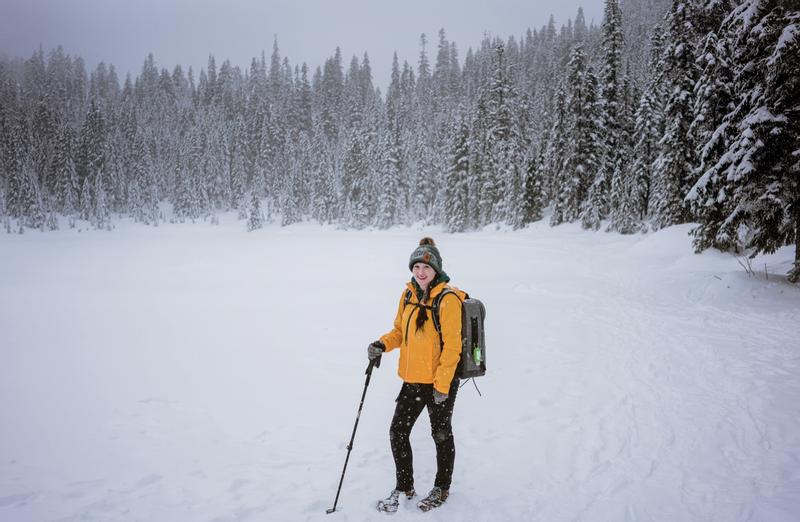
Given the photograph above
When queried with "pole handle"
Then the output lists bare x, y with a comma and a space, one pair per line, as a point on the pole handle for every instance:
376, 362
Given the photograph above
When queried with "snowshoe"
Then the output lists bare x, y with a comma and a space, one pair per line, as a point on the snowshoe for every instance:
392, 502
435, 498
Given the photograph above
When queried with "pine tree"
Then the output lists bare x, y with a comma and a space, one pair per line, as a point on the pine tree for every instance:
645, 147
291, 207
760, 166
387, 186
152, 198
456, 198
354, 178
43, 142
476, 164
91, 149
625, 211
32, 205
516, 174
565, 185
332, 95
714, 99
303, 96
101, 214
599, 201
673, 168
501, 168
3, 213
237, 177
87, 207
136, 195
182, 206
648, 128
12, 147
424, 85
65, 173
255, 218
577, 164
533, 202
325, 208
443, 96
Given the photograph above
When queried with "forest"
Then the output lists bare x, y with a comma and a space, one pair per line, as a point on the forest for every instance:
669, 112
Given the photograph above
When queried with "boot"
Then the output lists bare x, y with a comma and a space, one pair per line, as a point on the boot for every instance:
391, 503
435, 498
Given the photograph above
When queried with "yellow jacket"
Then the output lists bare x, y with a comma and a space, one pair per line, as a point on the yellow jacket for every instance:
422, 360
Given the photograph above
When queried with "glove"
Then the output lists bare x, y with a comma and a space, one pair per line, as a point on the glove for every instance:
375, 350
439, 397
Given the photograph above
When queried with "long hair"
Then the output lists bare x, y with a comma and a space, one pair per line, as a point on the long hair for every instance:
422, 312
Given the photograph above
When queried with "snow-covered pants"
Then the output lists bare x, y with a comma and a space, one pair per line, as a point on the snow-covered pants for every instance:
413, 398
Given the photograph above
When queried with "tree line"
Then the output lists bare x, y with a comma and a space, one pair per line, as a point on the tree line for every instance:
668, 112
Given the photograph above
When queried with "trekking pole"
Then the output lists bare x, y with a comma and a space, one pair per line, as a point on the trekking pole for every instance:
372, 363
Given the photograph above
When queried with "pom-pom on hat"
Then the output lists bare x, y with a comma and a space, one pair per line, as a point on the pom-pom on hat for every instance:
427, 253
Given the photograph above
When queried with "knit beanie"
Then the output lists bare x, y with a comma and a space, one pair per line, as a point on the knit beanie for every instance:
427, 253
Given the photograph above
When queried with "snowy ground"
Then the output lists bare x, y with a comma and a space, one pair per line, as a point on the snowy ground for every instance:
201, 373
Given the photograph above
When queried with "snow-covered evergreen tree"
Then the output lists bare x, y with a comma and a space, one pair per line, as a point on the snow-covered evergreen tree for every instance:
597, 206
714, 99
533, 187
760, 166
674, 165
578, 162
387, 184
324, 194
91, 148
354, 179
502, 165
33, 208
645, 147
330, 99
255, 219
477, 160
6, 219
564, 186
456, 197
65, 173
101, 214
625, 190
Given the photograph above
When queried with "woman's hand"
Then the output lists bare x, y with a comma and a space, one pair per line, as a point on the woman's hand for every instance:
375, 350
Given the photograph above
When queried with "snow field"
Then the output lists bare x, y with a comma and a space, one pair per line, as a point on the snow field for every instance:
204, 373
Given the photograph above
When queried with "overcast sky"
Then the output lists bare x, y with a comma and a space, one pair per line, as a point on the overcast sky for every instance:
123, 32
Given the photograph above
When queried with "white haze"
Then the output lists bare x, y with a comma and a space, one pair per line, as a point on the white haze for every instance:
185, 32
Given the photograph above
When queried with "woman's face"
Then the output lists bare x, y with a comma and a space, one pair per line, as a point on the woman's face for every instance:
423, 274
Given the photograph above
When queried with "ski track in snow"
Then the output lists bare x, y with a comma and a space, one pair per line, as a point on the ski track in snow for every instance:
194, 373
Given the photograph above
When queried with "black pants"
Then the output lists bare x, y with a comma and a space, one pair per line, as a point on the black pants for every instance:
412, 400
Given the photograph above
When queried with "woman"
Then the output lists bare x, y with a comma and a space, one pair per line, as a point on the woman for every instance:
427, 366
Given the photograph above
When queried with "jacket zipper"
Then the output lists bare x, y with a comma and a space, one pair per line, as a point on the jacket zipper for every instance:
408, 322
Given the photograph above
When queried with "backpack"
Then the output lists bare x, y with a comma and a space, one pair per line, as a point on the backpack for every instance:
473, 339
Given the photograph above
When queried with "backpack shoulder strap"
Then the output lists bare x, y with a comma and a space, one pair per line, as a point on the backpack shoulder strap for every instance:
435, 308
